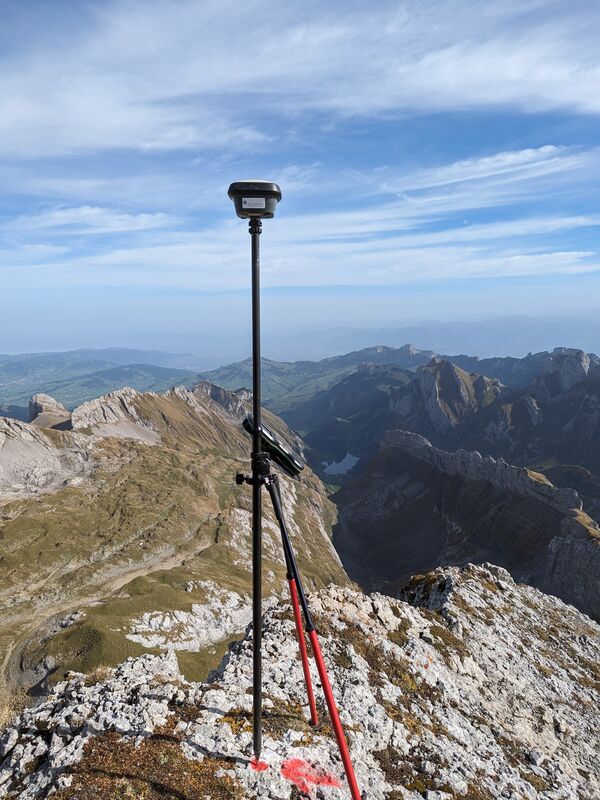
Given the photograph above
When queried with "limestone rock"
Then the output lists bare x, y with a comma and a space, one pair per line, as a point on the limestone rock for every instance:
233, 402
46, 412
222, 614
115, 414
445, 394
571, 366
461, 689
417, 506
31, 460
471, 465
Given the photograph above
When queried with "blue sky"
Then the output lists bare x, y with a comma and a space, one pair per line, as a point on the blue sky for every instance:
439, 160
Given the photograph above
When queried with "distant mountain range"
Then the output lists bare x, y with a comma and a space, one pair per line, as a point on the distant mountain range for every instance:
524, 410
79, 375
286, 384
76, 376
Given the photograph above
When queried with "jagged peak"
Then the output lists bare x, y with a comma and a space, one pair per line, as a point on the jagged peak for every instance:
45, 400
411, 349
45, 411
445, 393
569, 351
442, 367
231, 401
11, 428
115, 414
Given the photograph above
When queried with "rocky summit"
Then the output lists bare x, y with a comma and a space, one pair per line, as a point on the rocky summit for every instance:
471, 686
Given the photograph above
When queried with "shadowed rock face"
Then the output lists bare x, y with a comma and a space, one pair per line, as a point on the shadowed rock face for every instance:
470, 687
351, 417
554, 419
46, 412
416, 506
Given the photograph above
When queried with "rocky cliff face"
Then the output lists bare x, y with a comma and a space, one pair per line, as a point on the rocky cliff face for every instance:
442, 395
572, 364
556, 419
566, 368
470, 688
573, 564
416, 506
33, 460
46, 412
234, 402
472, 466
115, 414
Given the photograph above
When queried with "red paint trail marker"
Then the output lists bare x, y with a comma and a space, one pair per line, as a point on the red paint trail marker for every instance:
258, 766
304, 776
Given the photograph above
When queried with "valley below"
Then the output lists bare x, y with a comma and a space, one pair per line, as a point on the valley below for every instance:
137, 514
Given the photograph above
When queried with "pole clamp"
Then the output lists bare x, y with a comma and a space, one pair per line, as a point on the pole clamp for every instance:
261, 465
261, 471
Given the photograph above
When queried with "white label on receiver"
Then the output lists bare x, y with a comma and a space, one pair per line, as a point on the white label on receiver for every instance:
253, 202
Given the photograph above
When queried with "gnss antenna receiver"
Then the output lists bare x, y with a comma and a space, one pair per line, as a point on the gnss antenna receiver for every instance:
257, 200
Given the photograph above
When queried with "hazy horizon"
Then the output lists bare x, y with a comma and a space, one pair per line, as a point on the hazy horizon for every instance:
484, 337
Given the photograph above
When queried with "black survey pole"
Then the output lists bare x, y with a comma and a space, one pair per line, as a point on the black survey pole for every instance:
255, 201
255, 231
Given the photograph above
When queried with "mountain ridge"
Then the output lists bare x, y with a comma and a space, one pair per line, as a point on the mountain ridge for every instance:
416, 506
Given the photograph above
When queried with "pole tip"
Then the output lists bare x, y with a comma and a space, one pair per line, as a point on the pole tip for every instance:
258, 765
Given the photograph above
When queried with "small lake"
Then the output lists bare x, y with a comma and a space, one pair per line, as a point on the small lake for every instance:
341, 467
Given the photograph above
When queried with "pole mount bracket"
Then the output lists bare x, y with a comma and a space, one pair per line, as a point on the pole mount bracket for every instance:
261, 465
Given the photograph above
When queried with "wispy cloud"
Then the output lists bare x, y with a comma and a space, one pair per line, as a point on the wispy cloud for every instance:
511, 165
421, 234
29, 256
87, 219
188, 75
429, 196
417, 143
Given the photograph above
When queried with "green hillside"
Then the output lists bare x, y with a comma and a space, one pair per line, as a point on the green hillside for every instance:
148, 520
286, 384
73, 380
